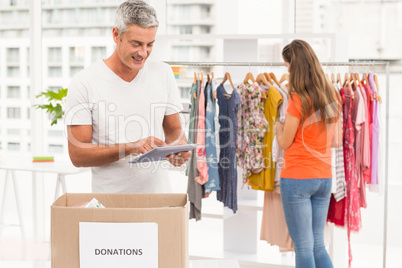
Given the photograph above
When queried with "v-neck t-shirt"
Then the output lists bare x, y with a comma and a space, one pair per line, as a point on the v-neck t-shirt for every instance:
123, 112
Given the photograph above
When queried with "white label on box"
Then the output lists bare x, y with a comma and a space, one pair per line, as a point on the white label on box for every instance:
123, 245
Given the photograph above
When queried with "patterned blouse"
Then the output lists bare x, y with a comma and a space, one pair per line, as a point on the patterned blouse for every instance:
252, 126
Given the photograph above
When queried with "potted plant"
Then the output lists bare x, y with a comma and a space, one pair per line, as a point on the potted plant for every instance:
53, 106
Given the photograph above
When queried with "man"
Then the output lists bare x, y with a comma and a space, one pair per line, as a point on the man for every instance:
125, 105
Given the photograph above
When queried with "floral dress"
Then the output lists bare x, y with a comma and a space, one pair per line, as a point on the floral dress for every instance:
202, 165
252, 126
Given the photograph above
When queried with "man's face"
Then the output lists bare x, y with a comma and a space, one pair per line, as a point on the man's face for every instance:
135, 46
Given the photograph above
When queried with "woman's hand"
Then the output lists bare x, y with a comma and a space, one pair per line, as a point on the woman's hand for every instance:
279, 128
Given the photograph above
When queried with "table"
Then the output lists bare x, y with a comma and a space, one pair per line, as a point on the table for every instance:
60, 168
193, 264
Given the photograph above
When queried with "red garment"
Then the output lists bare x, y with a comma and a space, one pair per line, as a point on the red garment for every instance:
350, 205
367, 172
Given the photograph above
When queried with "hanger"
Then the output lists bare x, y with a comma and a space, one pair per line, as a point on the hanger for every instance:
209, 79
284, 77
268, 78
365, 79
347, 81
261, 79
249, 76
338, 79
378, 88
195, 82
333, 78
225, 78
354, 80
273, 77
358, 78
327, 75
212, 75
202, 78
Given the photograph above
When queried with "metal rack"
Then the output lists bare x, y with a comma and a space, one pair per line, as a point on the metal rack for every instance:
383, 64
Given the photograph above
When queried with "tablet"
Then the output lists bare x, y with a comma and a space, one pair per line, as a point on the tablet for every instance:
160, 153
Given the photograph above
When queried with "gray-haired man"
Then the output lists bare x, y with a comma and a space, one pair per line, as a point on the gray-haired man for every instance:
125, 105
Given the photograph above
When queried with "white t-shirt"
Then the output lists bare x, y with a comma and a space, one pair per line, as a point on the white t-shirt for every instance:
122, 112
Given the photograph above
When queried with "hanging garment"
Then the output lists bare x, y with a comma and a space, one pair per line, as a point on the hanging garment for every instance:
369, 95
346, 212
195, 191
265, 180
375, 139
228, 109
365, 148
273, 227
210, 144
202, 165
252, 126
192, 120
340, 165
277, 151
358, 120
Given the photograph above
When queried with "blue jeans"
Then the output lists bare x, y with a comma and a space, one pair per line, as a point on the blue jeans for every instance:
305, 204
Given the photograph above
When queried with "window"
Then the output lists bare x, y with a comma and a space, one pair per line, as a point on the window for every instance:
205, 29
13, 71
13, 92
77, 55
13, 132
13, 146
13, 112
205, 11
54, 72
98, 53
13, 55
186, 30
54, 54
55, 148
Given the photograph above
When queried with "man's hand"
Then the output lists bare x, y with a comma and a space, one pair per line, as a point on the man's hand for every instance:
178, 159
144, 145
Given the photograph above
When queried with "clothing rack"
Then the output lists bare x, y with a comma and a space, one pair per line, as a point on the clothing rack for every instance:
384, 64
275, 64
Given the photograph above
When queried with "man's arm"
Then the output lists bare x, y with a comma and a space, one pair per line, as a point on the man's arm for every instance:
85, 154
174, 135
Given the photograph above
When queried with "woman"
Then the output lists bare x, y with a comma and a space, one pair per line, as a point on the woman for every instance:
311, 127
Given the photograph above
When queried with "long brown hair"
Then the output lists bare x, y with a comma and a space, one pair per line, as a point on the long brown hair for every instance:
307, 79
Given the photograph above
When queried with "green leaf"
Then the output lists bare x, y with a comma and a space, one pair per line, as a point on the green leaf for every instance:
53, 107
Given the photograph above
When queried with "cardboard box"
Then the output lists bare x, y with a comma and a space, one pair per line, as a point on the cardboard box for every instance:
169, 211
